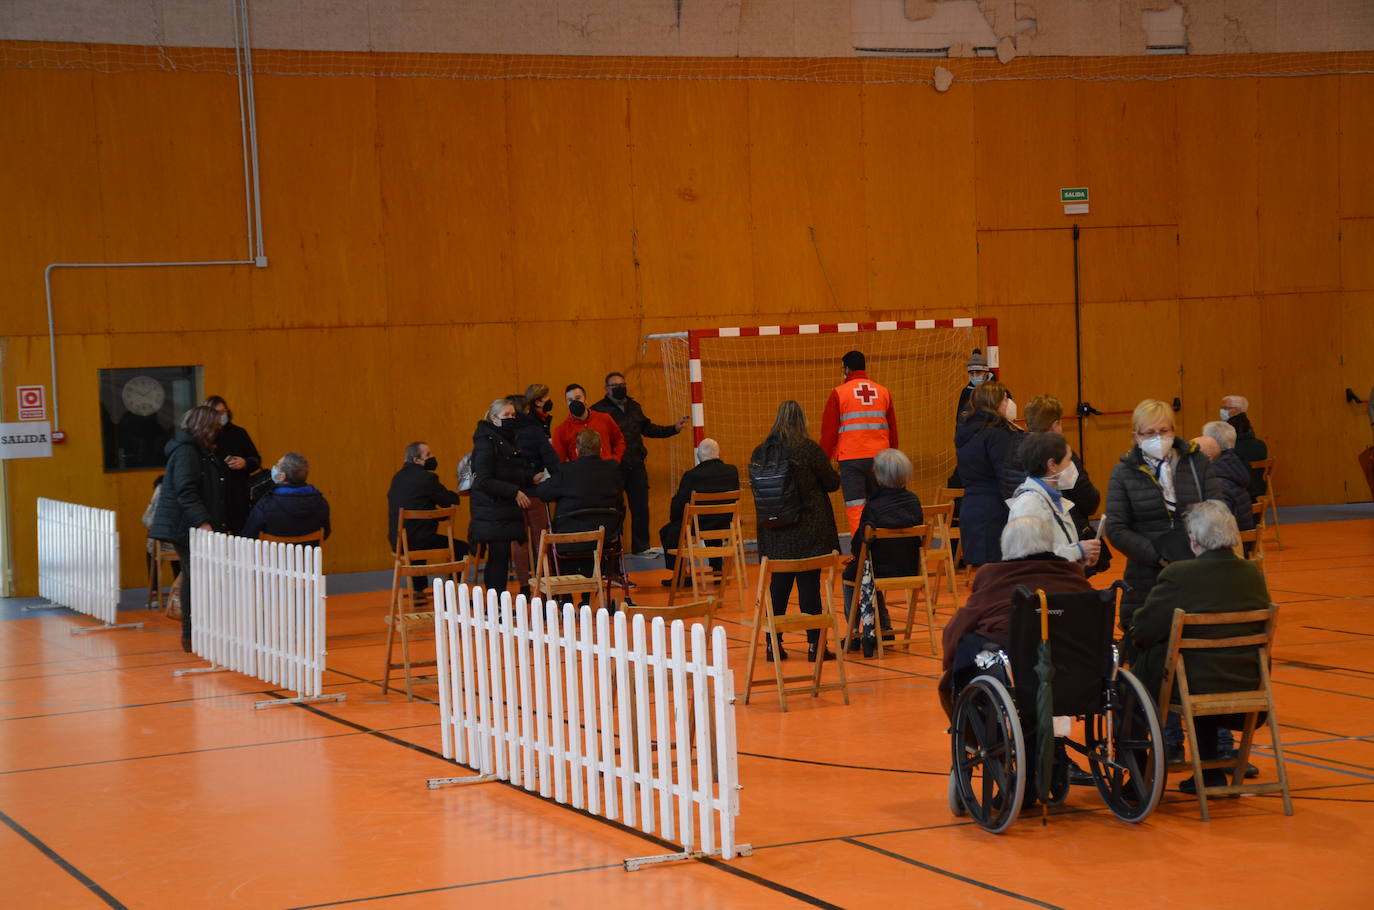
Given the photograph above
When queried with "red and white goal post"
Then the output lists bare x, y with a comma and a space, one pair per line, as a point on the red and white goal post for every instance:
731, 381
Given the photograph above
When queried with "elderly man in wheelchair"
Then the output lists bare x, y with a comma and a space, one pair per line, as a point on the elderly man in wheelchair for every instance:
1021, 667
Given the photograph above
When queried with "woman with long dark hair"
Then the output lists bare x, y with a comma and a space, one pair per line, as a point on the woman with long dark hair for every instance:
813, 533
194, 495
984, 442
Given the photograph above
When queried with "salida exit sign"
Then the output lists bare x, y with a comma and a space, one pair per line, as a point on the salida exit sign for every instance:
1075, 199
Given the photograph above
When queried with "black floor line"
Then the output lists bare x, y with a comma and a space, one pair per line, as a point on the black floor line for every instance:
492, 881
830, 764
68, 660
190, 658
1313, 764
669, 845
954, 875
50, 853
378, 684
1335, 761
270, 742
1340, 631
1347, 672
1312, 730
1284, 682
154, 704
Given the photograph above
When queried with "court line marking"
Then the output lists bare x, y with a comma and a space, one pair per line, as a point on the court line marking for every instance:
67, 660
634, 832
827, 764
171, 663
438, 888
954, 875
1283, 682
270, 742
61, 863
153, 704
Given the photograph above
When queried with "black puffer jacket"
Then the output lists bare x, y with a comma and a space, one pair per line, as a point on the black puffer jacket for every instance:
499, 471
1233, 478
629, 416
532, 439
983, 444
813, 534
194, 492
1139, 525
891, 507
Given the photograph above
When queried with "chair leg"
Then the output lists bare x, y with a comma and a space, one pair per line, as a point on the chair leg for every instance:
839, 663
1274, 507
776, 640
752, 659
1190, 728
405, 659
930, 611
1279, 761
393, 616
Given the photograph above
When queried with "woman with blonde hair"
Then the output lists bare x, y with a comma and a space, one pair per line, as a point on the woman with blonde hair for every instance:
1151, 487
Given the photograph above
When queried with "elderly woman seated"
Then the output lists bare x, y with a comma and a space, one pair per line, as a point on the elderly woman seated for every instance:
1218, 581
891, 506
1028, 559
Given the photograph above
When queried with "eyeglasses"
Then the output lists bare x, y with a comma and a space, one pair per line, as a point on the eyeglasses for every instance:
1152, 433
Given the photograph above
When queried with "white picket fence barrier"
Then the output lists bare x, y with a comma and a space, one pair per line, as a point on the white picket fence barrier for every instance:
78, 561
593, 712
257, 608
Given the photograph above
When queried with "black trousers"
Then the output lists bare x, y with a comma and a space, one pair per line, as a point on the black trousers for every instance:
637, 495
808, 595
184, 557
497, 570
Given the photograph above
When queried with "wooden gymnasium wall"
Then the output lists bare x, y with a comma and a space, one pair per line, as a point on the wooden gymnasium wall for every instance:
435, 243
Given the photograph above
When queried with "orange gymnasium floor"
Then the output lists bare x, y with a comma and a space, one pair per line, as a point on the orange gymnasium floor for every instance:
123, 786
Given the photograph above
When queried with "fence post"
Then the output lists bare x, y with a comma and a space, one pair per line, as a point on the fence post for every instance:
78, 562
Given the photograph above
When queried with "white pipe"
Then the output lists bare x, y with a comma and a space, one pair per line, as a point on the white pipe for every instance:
252, 213
243, 131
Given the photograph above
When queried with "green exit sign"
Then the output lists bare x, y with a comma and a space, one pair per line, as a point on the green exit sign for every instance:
1073, 194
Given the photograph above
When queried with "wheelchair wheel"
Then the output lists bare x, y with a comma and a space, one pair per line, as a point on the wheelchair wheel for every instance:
988, 754
956, 805
1127, 754
1059, 778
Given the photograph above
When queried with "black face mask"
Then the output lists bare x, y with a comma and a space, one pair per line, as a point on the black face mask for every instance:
431, 464
547, 407
577, 408
620, 392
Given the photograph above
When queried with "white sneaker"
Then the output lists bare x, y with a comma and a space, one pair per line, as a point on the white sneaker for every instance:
651, 553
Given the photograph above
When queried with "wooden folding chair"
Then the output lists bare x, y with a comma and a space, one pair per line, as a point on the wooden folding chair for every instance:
764, 622
403, 612
698, 546
906, 585
1254, 537
1269, 500
315, 537
546, 580
948, 495
160, 577
938, 550
1250, 702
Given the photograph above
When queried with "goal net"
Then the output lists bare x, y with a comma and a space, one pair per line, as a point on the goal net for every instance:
731, 381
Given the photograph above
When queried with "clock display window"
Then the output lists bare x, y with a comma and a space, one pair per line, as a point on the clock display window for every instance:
140, 408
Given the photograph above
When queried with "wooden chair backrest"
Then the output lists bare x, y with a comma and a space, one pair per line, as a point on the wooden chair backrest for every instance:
315, 537
1179, 642
453, 567
871, 534
549, 541
940, 518
947, 494
404, 553
697, 609
700, 498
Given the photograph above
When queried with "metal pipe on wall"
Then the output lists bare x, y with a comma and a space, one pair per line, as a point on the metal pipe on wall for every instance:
248, 133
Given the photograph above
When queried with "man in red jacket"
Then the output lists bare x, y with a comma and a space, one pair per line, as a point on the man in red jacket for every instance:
859, 422
581, 417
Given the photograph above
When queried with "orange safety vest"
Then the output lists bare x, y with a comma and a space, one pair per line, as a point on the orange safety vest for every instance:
863, 419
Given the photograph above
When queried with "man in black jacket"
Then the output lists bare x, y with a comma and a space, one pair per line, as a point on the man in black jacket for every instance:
587, 482
629, 416
711, 475
293, 508
416, 486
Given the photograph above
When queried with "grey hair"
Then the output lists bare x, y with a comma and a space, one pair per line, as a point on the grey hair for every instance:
892, 468
496, 408
1222, 432
707, 449
1212, 526
1026, 536
294, 466
1237, 401
413, 450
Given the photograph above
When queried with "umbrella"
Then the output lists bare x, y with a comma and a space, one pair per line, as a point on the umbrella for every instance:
1044, 710
868, 636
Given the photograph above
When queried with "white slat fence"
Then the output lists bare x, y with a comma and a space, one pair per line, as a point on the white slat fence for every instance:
257, 608
78, 561
621, 719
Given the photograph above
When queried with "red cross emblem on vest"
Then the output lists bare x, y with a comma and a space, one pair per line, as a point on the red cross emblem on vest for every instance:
865, 393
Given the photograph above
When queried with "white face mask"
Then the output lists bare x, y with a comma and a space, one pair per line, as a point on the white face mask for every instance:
278, 476
224, 419
1009, 410
977, 379
1225, 414
1157, 447
1066, 478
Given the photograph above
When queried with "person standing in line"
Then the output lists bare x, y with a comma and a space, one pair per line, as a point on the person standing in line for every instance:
194, 495
859, 421
984, 443
813, 532
498, 498
539, 407
978, 373
1235, 410
236, 448
634, 426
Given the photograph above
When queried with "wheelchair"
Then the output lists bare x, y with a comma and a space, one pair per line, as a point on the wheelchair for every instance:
994, 732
